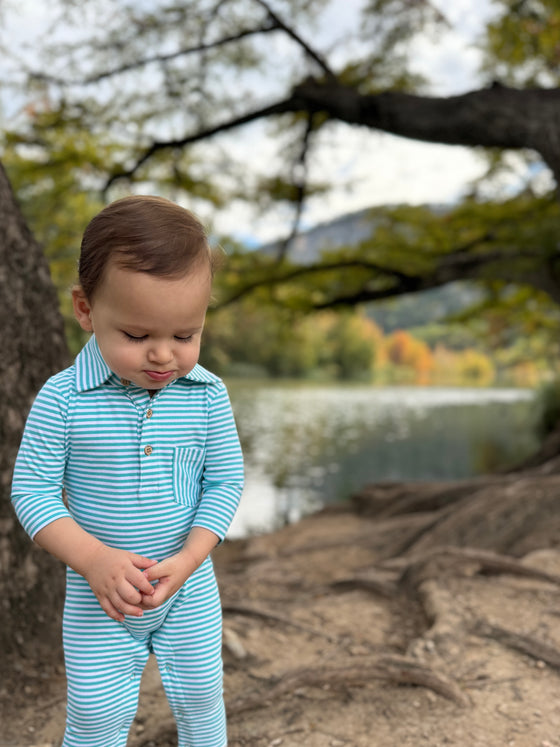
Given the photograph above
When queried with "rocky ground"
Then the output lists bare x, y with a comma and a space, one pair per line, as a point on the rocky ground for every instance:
359, 626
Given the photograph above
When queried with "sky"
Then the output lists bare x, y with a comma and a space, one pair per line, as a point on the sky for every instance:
367, 167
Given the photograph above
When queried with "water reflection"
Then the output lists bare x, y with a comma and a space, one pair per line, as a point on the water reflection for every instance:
309, 445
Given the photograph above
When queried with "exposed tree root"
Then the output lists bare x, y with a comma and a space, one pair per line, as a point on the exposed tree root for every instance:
251, 611
376, 583
445, 560
401, 530
399, 670
509, 513
385, 499
440, 610
526, 644
453, 560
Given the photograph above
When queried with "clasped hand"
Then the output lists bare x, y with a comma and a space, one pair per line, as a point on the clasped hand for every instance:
121, 581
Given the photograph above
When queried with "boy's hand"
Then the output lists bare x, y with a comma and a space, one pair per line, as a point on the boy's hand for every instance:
170, 574
116, 579
115, 576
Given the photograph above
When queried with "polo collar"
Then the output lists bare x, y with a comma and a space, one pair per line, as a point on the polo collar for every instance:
92, 371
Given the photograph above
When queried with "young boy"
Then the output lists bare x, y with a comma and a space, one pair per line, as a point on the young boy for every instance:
142, 440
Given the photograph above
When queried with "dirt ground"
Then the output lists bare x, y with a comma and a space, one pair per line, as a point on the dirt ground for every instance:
331, 640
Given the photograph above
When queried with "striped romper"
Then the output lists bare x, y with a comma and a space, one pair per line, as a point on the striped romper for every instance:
138, 473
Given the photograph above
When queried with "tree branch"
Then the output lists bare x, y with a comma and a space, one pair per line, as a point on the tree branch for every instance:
197, 49
498, 116
308, 270
459, 264
311, 53
453, 267
281, 107
492, 117
300, 182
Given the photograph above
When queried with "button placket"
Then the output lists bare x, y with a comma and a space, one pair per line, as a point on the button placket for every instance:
150, 453
147, 444
148, 449
146, 415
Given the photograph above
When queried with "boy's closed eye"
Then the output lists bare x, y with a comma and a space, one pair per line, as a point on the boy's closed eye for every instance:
135, 338
141, 338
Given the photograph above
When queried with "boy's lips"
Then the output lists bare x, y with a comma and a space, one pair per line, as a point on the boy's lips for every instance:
159, 375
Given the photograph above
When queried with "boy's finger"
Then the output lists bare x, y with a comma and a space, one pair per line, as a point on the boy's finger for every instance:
124, 607
157, 571
148, 602
140, 581
130, 609
129, 593
141, 562
155, 600
111, 611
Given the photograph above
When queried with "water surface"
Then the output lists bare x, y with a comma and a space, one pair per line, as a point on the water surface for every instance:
306, 446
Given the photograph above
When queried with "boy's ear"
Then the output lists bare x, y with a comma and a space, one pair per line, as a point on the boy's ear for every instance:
82, 309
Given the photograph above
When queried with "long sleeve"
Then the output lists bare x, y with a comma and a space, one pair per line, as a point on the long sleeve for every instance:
40, 464
222, 480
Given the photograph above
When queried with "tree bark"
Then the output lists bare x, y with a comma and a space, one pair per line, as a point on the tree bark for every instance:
33, 346
494, 117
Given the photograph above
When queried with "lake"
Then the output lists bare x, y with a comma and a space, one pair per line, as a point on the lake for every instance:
309, 445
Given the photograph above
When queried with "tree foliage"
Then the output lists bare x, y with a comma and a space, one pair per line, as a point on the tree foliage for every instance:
175, 97
521, 45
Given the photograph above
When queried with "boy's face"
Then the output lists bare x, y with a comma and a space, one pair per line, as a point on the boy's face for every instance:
148, 328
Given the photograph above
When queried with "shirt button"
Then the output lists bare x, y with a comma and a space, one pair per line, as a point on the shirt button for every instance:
148, 450
125, 382
149, 413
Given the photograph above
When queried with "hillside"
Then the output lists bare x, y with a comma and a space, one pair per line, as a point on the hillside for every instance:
398, 313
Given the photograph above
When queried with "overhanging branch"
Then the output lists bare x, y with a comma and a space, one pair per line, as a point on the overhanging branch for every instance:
492, 117
309, 270
496, 265
281, 107
385, 282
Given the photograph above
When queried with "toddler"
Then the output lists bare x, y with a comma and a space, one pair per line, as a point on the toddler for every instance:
142, 441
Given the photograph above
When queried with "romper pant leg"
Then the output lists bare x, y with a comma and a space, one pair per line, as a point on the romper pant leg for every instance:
188, 647
104, 664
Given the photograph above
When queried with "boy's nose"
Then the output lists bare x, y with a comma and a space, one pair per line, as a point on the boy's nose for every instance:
160, 354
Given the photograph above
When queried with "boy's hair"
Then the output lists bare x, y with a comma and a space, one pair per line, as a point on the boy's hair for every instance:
142, 233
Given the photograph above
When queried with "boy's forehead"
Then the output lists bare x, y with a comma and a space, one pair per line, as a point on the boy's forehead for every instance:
202, 268
125, 277
144, 296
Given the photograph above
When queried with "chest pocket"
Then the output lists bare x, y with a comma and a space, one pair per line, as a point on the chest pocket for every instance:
188, 466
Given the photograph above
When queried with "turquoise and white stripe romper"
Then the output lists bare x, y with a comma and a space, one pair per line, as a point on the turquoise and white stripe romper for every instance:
138, 473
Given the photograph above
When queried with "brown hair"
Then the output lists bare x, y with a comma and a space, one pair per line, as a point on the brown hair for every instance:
142, 233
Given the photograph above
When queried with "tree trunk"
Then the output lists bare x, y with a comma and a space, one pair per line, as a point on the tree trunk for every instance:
33, 345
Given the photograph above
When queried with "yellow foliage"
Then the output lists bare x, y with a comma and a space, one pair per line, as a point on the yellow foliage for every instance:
463, 367
405, 351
